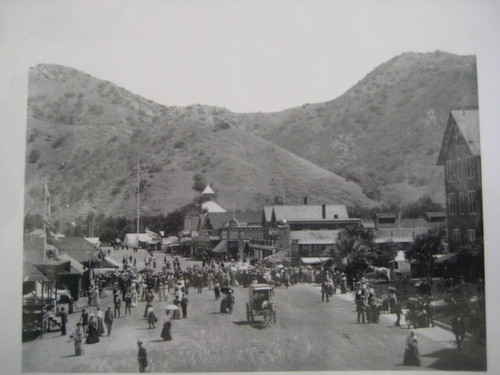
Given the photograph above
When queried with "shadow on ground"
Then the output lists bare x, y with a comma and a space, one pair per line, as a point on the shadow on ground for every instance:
456, 360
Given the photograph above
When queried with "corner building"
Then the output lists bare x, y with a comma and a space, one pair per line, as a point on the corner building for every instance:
460, 155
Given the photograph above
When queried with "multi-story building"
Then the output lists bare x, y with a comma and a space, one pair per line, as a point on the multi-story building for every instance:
460, 156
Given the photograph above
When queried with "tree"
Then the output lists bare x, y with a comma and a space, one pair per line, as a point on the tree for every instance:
424, 248
470, 259
383, 253
420, 207
354, 244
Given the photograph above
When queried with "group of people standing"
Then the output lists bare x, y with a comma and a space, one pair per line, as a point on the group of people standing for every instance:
366, 303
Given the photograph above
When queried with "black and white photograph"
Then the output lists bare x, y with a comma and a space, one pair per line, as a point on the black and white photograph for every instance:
220, 186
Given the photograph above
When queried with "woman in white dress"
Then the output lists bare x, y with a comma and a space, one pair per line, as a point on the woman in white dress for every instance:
133, 294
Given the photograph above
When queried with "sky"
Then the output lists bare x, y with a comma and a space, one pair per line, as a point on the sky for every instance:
246, 56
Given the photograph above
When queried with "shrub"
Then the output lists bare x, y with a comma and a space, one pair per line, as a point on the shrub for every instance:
199, 182
34, 156
58, 142
180, 144
96, 109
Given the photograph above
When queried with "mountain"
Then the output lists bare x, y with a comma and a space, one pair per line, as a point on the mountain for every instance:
86, 136
375, 144
385, 132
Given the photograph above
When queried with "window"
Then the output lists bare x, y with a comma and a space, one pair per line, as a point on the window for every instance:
459, 169
472, 202
471, 235
471, 172
462, 203
449, 165
456, 238
452, 208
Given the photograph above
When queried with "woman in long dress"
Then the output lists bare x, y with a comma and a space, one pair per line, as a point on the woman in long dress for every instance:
92, 335
100, 321
133, 294
167, 324
412, 356
152, 319
77, 337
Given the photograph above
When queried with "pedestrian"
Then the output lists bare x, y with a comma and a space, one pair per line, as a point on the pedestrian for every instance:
64, 320
92, 334
361, 308
90, 294
217, 291
411, 356
95, 297
458, 329
108, 319
152, 319
84, 320
398, 311
76, 336
142, 357
100, 321
128, 303
184, 304
429, 311
167, 324
118, 304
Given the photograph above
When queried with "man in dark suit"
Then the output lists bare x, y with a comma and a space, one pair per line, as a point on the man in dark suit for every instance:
108, 319
184, 304
64, 320
142, 357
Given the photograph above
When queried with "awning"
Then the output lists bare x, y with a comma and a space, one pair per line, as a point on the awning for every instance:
221, 247
447, 258
108, 262
313, 261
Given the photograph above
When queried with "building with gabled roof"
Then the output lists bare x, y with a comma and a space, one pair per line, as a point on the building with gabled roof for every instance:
460, 156
312, 217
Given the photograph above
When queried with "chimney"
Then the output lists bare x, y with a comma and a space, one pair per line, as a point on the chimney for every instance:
323, 211
305, 201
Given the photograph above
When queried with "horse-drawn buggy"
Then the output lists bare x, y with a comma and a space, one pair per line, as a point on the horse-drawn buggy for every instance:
418, 313
261, 302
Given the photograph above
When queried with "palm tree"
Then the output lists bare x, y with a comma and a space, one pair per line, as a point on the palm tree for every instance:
354, 245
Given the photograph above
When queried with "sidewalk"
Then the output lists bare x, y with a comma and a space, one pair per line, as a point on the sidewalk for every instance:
440, 333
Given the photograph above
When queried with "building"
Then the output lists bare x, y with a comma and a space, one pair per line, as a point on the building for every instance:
389, 227
306, 231
460, 155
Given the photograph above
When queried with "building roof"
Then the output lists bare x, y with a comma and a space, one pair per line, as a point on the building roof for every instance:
315, 237
467, 121
221, 247
211, 206
309, 212
208, 191
219, 219
76, 247
385, 215
77, 266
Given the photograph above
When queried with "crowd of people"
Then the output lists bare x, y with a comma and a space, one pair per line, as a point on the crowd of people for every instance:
164, 280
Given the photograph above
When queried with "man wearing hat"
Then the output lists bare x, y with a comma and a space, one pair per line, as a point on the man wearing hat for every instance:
108, 319
142, 357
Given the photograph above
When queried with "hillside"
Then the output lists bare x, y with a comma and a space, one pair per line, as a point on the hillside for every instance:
385, 132
85, 135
